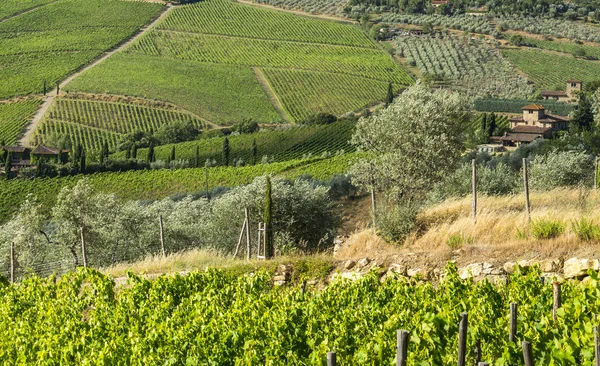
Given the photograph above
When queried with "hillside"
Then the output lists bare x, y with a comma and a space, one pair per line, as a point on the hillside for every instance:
211, 54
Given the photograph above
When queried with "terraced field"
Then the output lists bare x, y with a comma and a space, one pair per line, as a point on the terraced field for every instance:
93, 123
52, 41
549, 71
194, 41
14, 116
276, 146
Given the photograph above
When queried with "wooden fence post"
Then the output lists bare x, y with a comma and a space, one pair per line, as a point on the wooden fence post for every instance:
237, 247
596, 173
557, 300
474, 183
513, 322
162, 235
477, 351
331, 360
374, 207
83, 253
526, 187
527, 354
596, 345
246, 212
401, 347
462, 339
12, 262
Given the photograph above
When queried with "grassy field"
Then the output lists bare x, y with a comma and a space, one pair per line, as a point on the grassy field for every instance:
54, 40
549, 71
180, 61
13, 118
282, 145
92, 123
157, 184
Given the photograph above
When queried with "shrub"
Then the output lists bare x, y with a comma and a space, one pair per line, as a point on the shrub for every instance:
175, 132
396, 224
246, 126
546, 228
320, 119
456, 241
585, 229
562, 169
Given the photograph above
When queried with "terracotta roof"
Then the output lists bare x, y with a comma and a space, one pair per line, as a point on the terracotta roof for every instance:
17, 149
521, 137
531, 129
551, 93
553, 118
45, 150
534, 107
573, 81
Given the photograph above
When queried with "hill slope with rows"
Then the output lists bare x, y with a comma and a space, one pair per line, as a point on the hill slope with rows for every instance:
195, 41
52, 41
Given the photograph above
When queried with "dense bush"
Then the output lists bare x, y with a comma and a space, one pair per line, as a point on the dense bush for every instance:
546, 228
174, 132
246, 126
320, 119
304, 219
586, 229
562, 169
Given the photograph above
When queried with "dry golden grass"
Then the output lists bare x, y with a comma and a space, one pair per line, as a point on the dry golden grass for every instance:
502, 223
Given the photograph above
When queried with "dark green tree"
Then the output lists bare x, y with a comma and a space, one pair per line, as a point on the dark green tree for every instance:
268, 219
226, 151
172, 157
484, 125
134, 151
390, 95
82, 162
254, 152
8, 165
491, 125
150, 158
128, 154
197, 158
583, 118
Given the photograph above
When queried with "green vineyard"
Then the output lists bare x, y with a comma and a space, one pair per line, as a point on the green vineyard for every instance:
501, 122
550, 71
287, 144
13, 118
247, 320
54, 40
236, 20
13, 7
516, 105
158, 184
93, 123
336, 63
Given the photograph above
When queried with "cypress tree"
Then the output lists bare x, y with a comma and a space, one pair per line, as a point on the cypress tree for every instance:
484, 124
60, 156
226, 151
254, 152
150, 158
82, 162
583, 117
127, 154
8, 165
134, 151
101, 158
390, 95
268, 218
197, 158
491, 125
172, 153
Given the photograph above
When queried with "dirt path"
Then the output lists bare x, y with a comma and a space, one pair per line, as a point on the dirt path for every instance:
49, 99
298, 12
264, 83
25, 11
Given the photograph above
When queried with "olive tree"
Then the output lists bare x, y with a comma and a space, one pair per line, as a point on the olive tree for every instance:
413, 143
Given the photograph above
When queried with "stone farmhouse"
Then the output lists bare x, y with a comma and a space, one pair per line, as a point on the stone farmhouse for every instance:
532, 125
574, 87
24, 157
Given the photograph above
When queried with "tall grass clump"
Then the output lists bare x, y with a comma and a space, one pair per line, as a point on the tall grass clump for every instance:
586, 229
546, 228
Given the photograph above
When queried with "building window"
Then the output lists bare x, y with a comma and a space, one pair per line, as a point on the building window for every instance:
530, 112
573, 85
